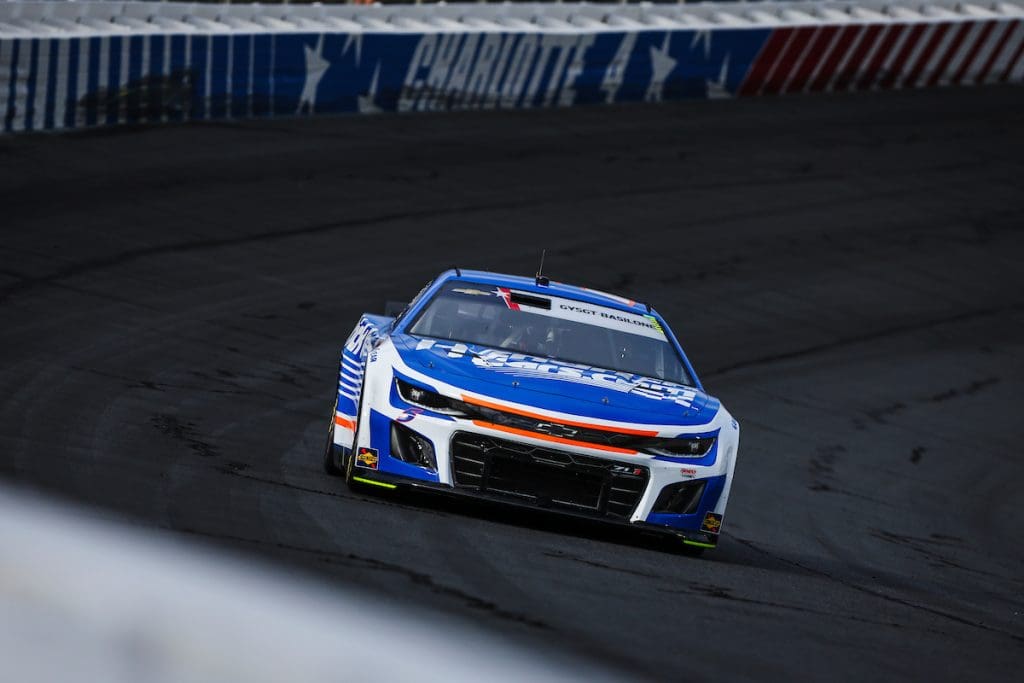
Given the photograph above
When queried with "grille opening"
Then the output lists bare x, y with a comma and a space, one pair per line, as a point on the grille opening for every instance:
545, 485
547, 478
413, 448
680, 499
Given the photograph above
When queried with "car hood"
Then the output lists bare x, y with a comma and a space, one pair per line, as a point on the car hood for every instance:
555, 385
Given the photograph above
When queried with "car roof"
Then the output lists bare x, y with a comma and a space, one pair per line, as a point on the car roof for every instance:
560, 289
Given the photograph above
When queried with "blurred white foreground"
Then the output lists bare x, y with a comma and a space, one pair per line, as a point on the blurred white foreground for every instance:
82, 599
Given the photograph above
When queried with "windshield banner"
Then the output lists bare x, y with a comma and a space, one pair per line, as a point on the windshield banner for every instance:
589, 314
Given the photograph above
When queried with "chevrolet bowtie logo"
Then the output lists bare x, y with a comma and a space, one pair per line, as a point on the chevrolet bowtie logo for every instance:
557, 430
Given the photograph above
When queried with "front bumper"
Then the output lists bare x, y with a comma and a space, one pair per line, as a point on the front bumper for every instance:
621, 490
392, 482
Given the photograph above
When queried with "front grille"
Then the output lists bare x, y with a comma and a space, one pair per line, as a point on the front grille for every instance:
555, 428
682, 446
547, 478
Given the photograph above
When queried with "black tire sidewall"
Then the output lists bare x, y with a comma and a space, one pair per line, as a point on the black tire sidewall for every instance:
330, 466
350, 461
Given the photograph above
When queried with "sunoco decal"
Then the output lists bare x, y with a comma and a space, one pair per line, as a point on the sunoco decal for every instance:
368, 458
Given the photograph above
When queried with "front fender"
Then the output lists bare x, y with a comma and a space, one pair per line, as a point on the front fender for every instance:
359, 348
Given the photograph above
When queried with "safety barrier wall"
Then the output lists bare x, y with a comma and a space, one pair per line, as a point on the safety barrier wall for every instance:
87, 599
79, 76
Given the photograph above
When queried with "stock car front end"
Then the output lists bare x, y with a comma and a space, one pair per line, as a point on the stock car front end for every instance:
541, 395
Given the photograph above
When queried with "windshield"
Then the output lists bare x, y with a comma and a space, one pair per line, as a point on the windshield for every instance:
551, 327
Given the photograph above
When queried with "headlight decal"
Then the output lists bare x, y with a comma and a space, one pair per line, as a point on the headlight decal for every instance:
709, 441
400, 398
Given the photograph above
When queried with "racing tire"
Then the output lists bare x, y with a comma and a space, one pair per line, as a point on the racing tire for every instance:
350, 461
330, 467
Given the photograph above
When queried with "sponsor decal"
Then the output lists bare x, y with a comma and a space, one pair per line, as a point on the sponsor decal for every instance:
712, 523
522, 365
491, 69
364, 330
654, 323
622, 321
367, 457
688, 472
457, 350
594, 315
409, 414
556, 430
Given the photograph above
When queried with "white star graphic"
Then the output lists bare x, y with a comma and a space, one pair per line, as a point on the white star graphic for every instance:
705, 37
357, 39
316, 66
367, 103
717, 89
661, 66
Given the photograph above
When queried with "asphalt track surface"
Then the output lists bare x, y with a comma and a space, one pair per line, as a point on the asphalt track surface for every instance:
844, 271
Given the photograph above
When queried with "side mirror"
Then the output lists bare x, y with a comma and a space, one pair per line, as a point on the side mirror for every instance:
393, 309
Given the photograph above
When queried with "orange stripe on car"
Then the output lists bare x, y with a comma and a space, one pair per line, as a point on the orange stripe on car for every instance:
546, 418
555, 439
342, 422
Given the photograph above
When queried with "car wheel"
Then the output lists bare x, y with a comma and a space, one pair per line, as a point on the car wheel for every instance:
330, 466
350, 461
350, 465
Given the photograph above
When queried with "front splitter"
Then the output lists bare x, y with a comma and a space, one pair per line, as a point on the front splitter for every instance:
383, 480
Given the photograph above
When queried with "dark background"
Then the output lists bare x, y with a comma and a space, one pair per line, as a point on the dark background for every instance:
844, 272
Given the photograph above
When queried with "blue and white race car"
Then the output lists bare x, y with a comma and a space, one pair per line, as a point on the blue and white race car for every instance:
535, 393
